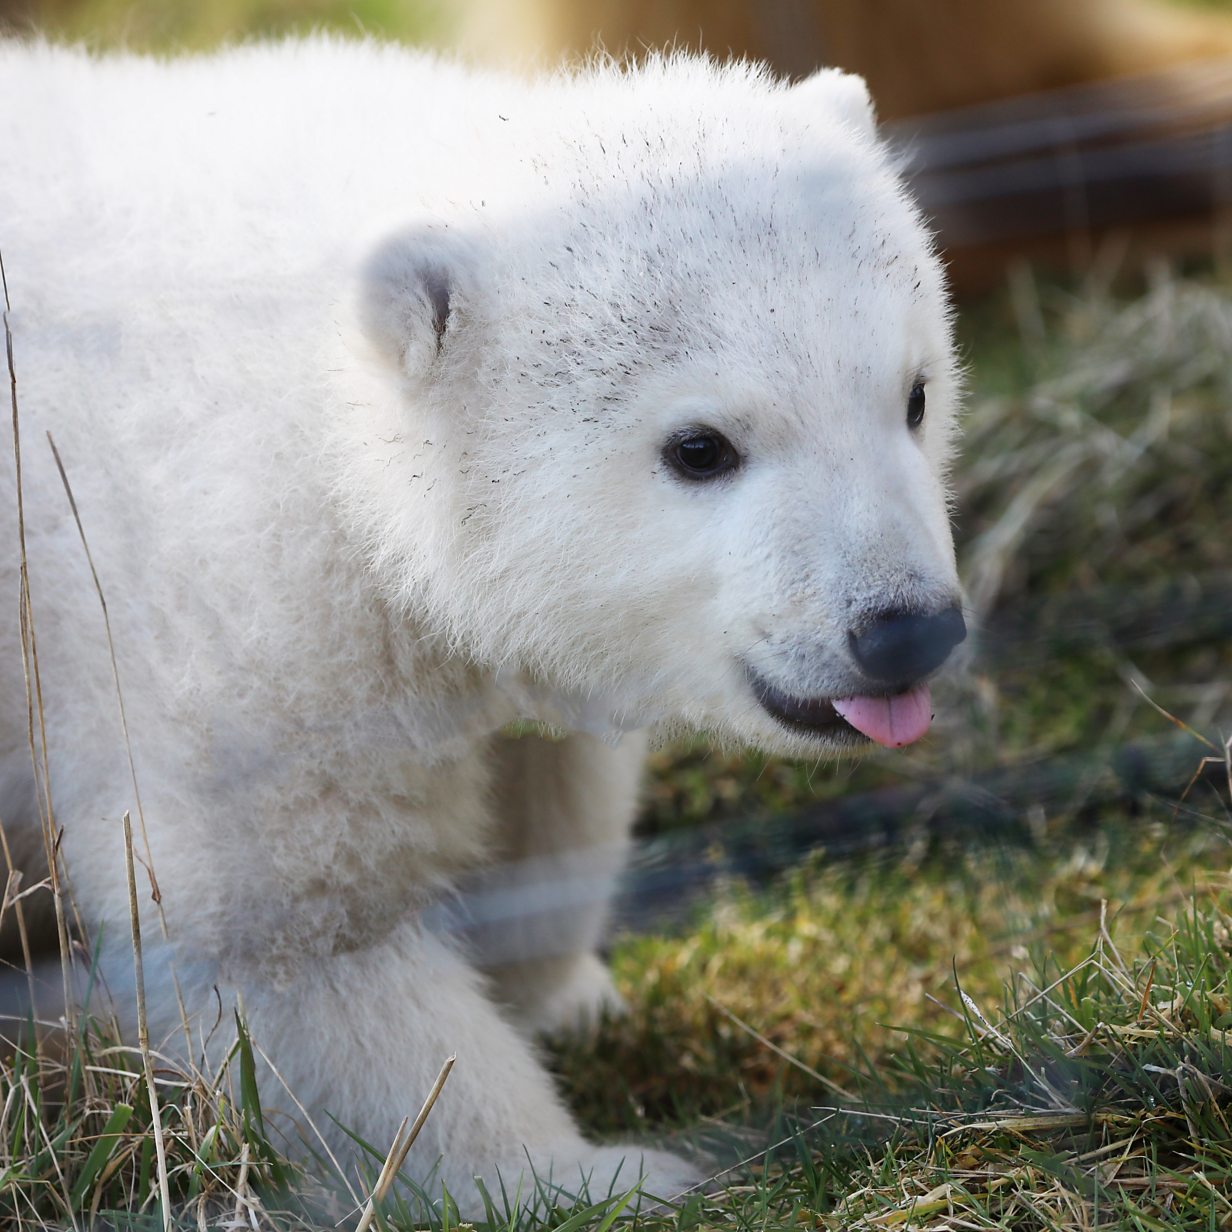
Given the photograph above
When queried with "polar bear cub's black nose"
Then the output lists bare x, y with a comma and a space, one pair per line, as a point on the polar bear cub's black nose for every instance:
900, 648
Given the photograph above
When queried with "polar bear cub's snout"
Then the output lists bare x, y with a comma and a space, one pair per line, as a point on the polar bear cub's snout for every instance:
898, 648
895, 650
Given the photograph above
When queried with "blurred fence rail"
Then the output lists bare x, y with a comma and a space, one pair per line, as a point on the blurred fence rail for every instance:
671, 873
1047, 174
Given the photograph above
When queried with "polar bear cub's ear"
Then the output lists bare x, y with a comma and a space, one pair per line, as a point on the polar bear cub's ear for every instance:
411, 294
844, 96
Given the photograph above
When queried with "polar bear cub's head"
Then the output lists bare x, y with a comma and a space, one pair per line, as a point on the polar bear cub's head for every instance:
686, 391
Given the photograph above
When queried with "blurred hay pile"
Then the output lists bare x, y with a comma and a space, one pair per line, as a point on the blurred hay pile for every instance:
1114, 466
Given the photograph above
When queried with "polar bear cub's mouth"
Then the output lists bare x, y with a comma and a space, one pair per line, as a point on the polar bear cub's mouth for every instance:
893, 721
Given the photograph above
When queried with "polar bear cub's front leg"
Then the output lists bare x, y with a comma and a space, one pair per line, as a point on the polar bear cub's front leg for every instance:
362, 1037
565, 810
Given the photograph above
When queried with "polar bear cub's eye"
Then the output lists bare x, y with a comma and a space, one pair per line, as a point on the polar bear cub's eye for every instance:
915, 405
701, 453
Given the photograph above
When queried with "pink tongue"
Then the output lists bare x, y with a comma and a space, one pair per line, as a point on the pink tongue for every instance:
892, 721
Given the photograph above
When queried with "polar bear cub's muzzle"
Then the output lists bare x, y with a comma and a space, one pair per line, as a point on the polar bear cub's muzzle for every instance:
896, 651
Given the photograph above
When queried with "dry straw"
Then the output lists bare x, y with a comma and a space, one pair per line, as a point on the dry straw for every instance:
400, 1148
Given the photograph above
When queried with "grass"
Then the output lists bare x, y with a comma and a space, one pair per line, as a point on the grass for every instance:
1004, 1037
929, 998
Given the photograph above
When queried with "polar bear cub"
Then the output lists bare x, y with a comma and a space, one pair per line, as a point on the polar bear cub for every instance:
401, 402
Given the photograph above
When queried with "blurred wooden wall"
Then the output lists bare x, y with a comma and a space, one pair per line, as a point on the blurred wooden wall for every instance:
919, 56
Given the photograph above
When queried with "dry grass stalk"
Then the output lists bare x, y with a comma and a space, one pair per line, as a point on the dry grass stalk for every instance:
789, 1057
13, 895
308, 1120
34, 688
400, 1148
143, 1030
148, 862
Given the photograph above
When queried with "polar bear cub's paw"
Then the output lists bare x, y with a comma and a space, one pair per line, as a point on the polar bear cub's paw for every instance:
612, 1171
559, 996
581, 1000
661, 1176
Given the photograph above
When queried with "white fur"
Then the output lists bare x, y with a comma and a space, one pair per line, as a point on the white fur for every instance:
340, 551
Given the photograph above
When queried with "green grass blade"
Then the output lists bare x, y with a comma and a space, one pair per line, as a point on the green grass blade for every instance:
100, 1153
